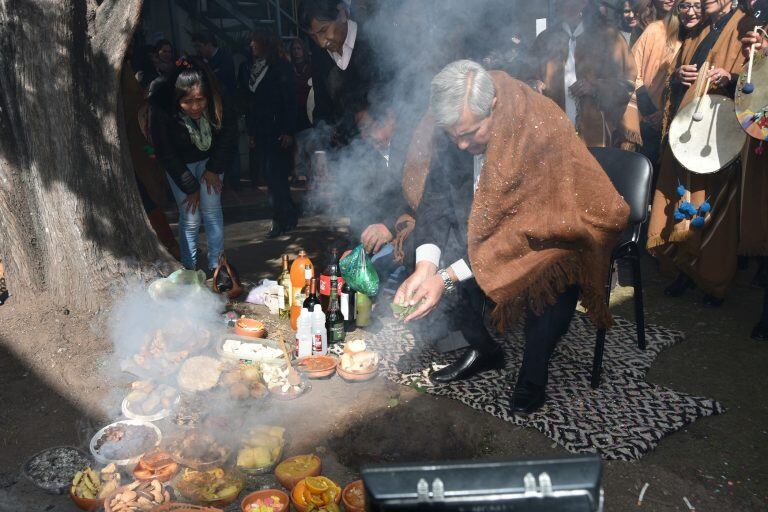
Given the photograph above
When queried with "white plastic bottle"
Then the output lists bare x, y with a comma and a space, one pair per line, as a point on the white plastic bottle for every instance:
319, 334
304, 334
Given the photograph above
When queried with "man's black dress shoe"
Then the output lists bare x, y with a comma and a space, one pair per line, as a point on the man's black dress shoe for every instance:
679, 286
711, 301
527, 398
472, 362
760, 331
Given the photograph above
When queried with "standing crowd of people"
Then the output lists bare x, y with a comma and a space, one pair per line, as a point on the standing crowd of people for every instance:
489, 199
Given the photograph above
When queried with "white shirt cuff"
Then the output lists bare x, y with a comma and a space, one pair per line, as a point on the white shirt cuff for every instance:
462, 270
430, 253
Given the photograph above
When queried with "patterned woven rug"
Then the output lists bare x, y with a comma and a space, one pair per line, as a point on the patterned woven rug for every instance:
624, 419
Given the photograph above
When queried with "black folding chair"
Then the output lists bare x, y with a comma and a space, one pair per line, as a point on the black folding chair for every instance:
631, 174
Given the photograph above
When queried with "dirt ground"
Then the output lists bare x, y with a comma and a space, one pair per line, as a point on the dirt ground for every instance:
52, 365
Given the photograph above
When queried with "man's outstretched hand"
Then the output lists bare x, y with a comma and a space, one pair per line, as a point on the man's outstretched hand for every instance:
423, 288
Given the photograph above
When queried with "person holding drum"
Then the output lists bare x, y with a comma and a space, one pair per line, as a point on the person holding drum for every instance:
655, 53
693, 229
753, 233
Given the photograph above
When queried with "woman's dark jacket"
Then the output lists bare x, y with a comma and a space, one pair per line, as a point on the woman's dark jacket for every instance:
270, 111
174, 147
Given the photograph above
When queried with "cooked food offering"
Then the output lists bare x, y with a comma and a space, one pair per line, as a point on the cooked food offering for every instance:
243, 382
317, 493
123, 441
354, 496
250, 350
196, 449
271, 503
261, 448
199, 373
212, 485
155, 464
91, 485
53, 469
189, 412
359, 362
294, 469
138, 497
355, 346
150, 399
316, 363
165, 349
281, 381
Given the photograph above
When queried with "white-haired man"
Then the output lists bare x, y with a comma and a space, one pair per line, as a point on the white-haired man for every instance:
521, 213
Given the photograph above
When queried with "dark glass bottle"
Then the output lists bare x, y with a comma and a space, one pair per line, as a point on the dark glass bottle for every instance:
331, 270
348, 307
311, 300
334, 321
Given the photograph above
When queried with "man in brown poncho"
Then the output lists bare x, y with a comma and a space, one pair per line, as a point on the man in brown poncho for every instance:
512, 208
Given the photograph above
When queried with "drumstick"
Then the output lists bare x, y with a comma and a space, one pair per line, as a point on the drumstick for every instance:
698, 116
749, 87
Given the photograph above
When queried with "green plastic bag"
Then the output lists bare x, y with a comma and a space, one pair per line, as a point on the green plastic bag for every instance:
357, 270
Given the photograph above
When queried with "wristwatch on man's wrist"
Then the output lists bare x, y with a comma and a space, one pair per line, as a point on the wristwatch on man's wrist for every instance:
450, 285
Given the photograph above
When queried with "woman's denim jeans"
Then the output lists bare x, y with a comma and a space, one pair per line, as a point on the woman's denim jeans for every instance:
212, 217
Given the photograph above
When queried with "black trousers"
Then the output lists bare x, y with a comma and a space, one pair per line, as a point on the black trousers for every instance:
542, 332
275, 165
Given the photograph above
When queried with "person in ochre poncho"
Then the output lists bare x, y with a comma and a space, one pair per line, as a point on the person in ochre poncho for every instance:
511, 209
585, 66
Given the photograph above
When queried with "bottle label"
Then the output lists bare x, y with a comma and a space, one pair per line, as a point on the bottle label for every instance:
299, 298
345, 306
325, 284
281, 297
317, 344
336, 333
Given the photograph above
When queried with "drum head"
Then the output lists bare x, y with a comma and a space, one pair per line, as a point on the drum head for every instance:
752, 109
713, 142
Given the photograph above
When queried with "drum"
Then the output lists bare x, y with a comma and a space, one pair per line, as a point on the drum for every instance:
705, 136
752, 108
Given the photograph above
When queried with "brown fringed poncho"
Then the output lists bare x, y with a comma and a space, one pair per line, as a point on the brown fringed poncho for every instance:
545, 214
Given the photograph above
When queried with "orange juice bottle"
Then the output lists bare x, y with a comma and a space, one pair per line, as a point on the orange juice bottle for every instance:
298, 280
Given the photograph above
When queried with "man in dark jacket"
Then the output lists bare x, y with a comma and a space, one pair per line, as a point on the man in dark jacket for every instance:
218, 59
345, 72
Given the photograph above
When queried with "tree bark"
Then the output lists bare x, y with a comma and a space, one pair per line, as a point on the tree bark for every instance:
71, 220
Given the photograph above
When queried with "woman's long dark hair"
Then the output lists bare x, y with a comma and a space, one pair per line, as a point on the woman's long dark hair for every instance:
267, 39
190, 72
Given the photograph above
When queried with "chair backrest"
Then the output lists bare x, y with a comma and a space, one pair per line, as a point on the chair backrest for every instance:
632, 174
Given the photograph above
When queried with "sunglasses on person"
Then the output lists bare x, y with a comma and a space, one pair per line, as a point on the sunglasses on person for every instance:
685, 7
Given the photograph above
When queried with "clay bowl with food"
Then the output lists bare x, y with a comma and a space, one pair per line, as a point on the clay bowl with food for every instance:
305, 490
87, 504
250, 328
277, 500
155, 406
357, 376
317, 367
216, 487
294, 469
184, 507
353, 497
124, 442
138, 496
197, 450
155, 464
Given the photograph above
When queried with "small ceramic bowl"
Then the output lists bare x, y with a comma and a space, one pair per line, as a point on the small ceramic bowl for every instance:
350, 506
317, 367
87, 504
285, 501
357, 376
250, 327
289, 482
299, 490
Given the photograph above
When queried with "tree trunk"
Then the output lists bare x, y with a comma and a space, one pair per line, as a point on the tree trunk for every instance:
71, 220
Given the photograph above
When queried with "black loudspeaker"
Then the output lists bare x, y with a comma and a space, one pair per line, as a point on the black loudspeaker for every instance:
571, 484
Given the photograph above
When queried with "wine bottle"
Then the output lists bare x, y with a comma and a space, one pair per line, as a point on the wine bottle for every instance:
334, 321
311, 300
